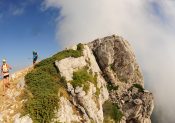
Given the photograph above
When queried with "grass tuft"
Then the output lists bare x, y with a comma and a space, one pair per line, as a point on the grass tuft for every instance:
82, 77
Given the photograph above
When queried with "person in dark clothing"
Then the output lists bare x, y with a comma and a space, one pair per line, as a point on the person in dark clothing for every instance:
35, 57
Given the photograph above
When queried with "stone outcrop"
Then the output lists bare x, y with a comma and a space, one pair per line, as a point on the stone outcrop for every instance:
89, 104
113, 60
116, 58
118, 63
65, 113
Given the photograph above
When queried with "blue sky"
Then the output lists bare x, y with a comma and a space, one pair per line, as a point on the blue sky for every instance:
27, 25
24, 27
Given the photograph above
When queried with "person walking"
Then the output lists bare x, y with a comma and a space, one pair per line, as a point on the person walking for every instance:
5, 72
35, 57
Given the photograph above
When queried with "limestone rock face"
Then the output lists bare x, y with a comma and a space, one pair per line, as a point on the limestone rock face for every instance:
115, 56
118, 63
88, 103
24, 119
113, 61
68, 65
65, 112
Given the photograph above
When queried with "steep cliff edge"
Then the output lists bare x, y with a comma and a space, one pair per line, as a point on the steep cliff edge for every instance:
119, 82
97, 82
117, 61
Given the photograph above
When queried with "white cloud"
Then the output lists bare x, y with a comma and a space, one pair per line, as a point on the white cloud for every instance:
149, 25
17, 11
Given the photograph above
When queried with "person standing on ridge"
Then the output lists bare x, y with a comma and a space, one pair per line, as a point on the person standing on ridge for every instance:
35, 57
5, 72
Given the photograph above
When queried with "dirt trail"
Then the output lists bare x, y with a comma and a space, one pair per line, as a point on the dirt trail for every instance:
10, 104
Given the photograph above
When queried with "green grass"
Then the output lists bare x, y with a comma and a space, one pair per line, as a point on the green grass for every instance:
111, 112
61, 55
43, 84
82, 77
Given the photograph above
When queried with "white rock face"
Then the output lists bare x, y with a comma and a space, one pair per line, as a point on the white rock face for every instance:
101, 83
89, 103
68, 65
89, 57
65, 113
24, 119
118, 64
116, 59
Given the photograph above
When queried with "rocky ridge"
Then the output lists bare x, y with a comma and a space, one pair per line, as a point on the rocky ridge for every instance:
119, 79
103, 85
117, 61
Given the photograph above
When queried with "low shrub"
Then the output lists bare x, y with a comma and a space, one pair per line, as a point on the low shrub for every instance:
61, 55
82, 78
44, 100
43, 84
111, 112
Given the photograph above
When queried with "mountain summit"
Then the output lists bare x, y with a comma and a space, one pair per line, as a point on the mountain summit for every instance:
97, 82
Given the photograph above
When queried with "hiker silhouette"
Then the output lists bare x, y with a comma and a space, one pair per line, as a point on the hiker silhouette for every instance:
35, 57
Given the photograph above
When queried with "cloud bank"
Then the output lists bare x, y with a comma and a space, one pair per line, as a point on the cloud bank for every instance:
149, 25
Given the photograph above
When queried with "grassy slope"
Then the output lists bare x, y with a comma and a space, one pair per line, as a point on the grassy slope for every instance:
43, 84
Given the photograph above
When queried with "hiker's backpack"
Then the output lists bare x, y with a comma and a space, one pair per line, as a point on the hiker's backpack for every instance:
5, 68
